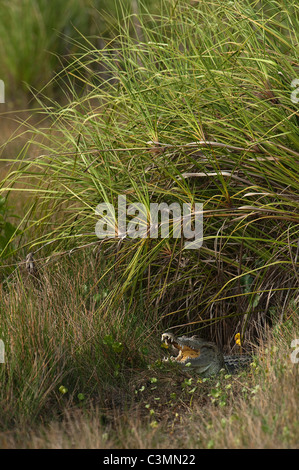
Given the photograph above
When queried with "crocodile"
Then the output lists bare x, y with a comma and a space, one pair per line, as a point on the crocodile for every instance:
202, 356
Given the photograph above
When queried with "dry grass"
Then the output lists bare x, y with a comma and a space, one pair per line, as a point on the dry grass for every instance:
56, 337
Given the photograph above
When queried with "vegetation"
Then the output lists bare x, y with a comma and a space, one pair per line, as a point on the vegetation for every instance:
72, 380
75, 379
37, 37
189, 105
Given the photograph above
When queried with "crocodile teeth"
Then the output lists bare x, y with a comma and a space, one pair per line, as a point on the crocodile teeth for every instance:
167, 338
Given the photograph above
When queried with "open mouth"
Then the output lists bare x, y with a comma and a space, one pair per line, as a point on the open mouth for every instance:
184, 352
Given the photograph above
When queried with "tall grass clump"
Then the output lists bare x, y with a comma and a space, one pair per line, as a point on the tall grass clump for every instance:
194, 107
59, 354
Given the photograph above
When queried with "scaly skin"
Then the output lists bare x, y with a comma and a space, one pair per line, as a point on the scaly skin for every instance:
202, 356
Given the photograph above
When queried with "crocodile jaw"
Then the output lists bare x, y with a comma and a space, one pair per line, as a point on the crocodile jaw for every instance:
186, 353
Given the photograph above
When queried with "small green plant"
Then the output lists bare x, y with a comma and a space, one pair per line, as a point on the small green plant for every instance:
116, 346
63, 390
221, 392
187, 383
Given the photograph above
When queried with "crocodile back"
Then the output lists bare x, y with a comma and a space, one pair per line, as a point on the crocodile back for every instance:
236, 362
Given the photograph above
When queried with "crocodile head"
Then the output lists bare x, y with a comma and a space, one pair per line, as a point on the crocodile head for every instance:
187, 348
198, 354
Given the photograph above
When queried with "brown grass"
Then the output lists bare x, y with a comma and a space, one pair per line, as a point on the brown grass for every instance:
131, 401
